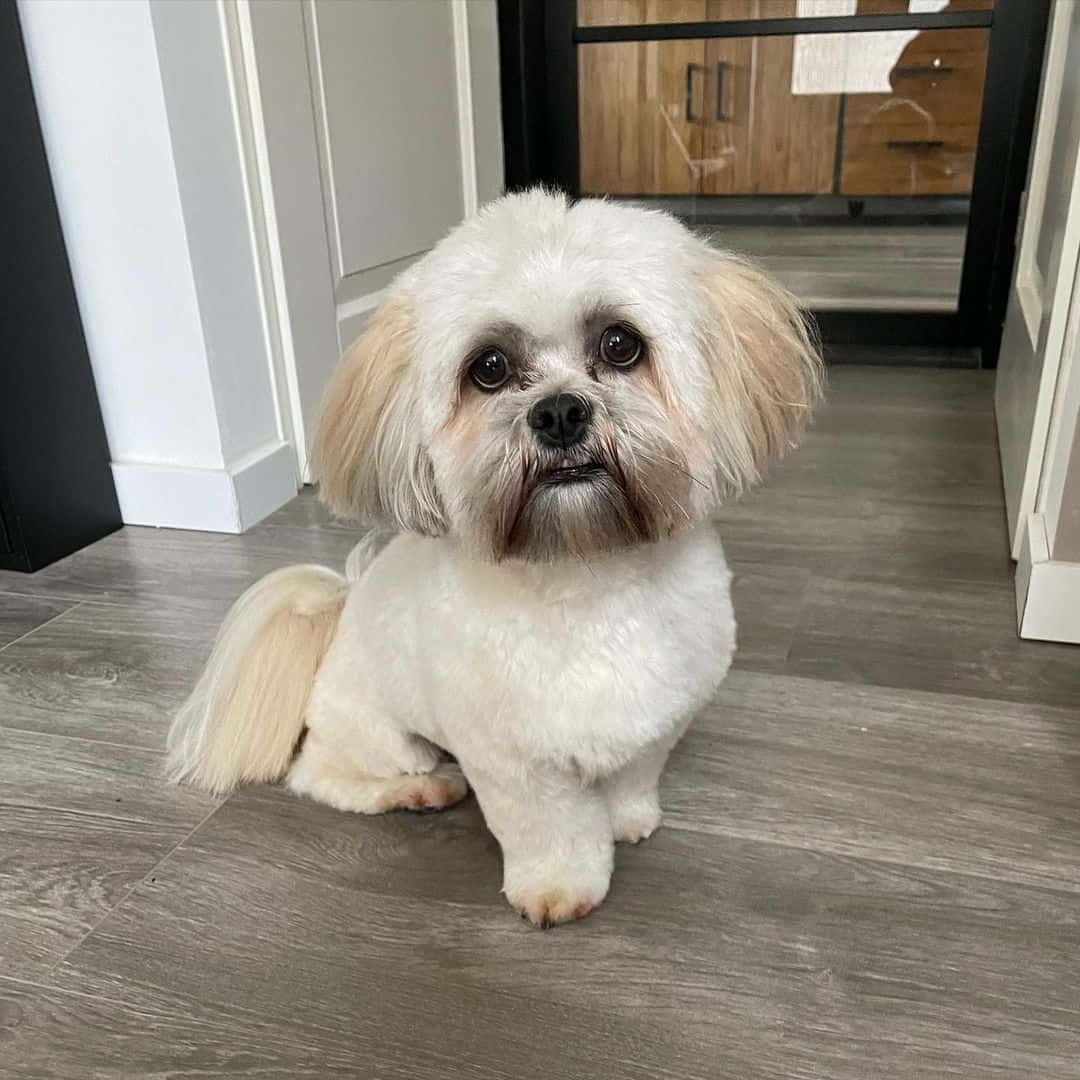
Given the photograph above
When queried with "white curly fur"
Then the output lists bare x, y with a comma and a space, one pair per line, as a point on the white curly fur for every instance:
556, 638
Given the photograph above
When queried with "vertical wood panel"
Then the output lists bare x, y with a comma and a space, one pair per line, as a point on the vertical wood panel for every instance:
939, 111
635, 137
794, 135
728, 163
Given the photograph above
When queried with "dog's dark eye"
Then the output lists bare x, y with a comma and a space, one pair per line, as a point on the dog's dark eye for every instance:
620, 346
489, 370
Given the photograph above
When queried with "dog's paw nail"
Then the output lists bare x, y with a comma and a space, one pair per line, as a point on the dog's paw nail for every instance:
548, 908
636, 825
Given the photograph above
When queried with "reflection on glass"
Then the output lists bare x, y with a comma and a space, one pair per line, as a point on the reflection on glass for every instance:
843, 162
627, 12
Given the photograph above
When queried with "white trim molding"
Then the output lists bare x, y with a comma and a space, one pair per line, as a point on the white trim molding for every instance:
262, 223
463, 77
354, 314
1047, 591
1063, 417
1043, 292
227, 500
273, 85
361, 305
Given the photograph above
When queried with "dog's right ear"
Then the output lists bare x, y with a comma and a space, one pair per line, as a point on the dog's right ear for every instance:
367, 456
765, 364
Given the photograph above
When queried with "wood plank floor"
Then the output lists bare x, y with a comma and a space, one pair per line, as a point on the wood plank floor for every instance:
870, 866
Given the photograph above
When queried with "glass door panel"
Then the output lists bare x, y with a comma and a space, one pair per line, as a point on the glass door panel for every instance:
842, 162
641, 117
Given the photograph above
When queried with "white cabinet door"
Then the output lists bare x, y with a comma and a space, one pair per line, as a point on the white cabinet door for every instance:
1046, 269
386, 102
373, 129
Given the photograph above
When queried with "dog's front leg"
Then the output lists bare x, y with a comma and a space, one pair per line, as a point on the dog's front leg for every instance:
633, 795
556, 841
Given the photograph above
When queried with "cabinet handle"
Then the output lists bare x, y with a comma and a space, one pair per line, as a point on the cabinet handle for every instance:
915, 71
690, 71
915, 144
721, 72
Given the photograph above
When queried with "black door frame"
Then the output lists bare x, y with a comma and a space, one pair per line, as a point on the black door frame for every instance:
538, 42
56, 485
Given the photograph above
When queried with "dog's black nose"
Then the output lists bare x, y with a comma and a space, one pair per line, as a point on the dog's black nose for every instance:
560, 420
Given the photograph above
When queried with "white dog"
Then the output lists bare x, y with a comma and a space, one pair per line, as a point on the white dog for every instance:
546, 409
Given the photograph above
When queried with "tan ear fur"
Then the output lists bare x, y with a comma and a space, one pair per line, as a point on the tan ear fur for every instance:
766, 367
366, 456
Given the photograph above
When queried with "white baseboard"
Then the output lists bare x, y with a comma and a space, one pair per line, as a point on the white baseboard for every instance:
211, 500
1047, 592
264, 481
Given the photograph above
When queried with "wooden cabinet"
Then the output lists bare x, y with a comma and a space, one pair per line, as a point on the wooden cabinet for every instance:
641, 102
727, 128
728, 116
920, 139
778, 142
712, 116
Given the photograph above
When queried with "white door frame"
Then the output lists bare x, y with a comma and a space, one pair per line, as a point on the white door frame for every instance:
1047, 589
1028, 285
271, 52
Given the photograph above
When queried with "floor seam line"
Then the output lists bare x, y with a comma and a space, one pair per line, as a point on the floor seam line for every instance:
41, 626
15, 728
131, 889
91, 815
875, 860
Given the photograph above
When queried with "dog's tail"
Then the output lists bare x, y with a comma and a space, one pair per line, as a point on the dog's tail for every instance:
246, 713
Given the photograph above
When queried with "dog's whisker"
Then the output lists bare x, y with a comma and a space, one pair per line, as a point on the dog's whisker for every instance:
688, 475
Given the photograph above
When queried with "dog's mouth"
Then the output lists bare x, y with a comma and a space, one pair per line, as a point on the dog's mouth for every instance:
577, 503
582, 472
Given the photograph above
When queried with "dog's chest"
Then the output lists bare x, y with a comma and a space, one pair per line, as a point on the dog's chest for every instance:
578, 676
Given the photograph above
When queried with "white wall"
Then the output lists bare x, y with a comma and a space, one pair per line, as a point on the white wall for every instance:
139, 129
194, 147
377, 129
207, 152
483, 55
95, 73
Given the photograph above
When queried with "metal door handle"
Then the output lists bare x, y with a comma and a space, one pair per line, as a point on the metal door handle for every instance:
915, 71
721, 72
689, 112
915, 144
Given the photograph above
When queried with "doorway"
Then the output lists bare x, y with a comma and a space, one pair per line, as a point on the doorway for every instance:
869, 153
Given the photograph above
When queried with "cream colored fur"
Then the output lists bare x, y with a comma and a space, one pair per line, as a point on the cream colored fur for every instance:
246, 713
365, 455
551, 617
764, 361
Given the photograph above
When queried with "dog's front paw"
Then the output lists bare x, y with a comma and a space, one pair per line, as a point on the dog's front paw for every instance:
558, 898
635, 820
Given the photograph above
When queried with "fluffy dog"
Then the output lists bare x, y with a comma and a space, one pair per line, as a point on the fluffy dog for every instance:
545, 411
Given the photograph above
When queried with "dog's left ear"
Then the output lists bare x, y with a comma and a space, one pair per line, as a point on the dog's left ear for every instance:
764, 362
367, 456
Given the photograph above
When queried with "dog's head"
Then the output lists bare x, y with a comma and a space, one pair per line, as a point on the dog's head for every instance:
559, 379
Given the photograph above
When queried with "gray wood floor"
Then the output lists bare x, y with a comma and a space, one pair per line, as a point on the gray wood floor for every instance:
870, 866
